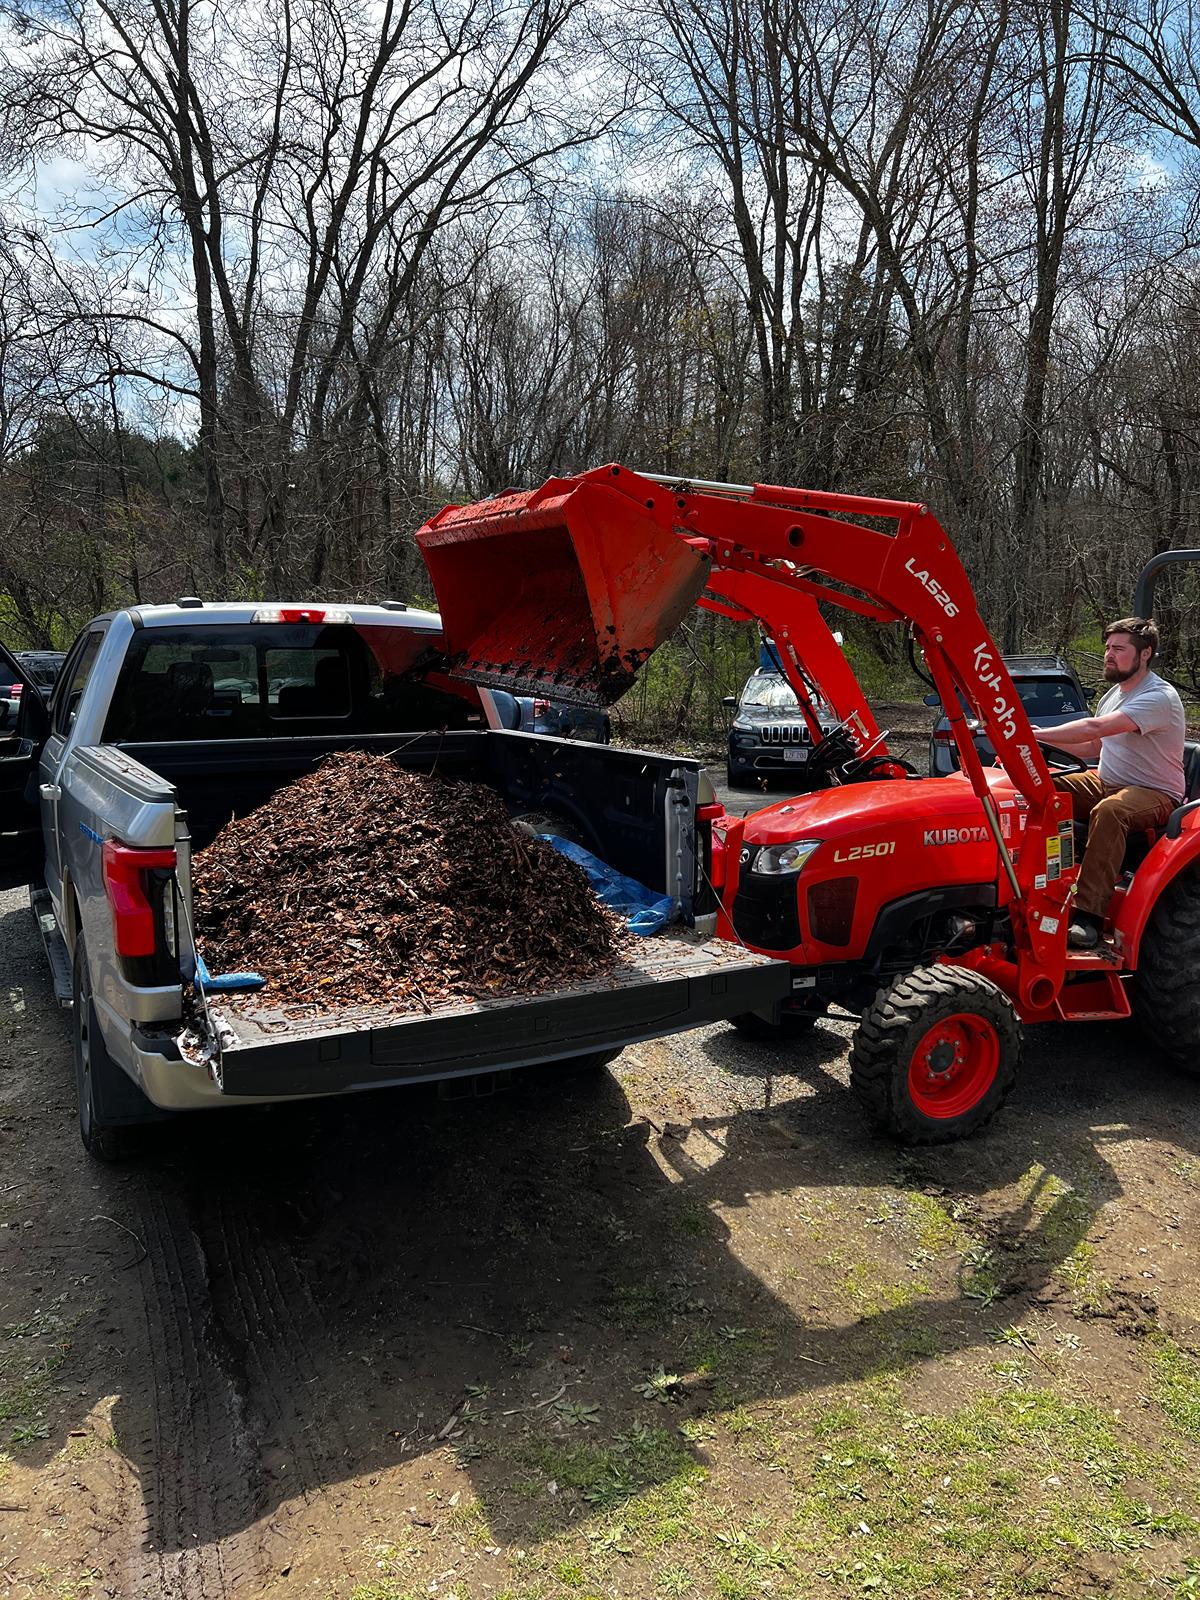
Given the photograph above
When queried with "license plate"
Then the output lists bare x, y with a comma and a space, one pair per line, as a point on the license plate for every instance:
795, 755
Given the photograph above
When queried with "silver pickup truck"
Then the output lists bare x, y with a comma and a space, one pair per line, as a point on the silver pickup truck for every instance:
167, 720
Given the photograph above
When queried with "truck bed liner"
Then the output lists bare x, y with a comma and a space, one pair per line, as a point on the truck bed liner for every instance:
669, 984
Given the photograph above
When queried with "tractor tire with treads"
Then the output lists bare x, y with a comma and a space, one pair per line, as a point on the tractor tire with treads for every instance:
936, 1054
1166, 997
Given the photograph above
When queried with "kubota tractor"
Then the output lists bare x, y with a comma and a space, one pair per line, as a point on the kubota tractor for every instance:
935, 908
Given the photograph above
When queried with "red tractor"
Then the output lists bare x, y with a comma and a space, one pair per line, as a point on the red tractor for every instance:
935, 908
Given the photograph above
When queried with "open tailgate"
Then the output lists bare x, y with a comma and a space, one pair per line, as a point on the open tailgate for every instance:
565, 590
673, 983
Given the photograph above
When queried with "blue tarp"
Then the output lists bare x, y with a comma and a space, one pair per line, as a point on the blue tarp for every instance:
227, 982
644, 911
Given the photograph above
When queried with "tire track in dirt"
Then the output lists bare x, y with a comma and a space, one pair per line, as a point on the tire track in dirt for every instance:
236, 1415
289, 1371
199, 1465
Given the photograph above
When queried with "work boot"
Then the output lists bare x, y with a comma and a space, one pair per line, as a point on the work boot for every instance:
1084, 931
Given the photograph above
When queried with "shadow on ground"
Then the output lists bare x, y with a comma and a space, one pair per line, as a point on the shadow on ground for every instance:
288, 1303
390, 1277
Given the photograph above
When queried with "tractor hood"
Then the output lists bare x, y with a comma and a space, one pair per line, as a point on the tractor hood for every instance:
564, 591
861, 809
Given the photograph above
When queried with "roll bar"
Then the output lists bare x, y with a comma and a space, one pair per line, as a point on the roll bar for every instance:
1143, 594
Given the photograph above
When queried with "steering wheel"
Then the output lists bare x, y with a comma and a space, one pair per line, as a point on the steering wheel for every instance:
832, 748
836, 749
1064, 760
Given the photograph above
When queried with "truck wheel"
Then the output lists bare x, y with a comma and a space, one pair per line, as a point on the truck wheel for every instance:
110, 1103
1166, 997
935, 1054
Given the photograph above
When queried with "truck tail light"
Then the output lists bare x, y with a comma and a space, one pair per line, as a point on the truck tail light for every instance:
710, 861
126, 869
540, 707
943, 736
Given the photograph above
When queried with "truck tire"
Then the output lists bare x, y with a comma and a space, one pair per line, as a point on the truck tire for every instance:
111, 1106
935, 1055
1166, 996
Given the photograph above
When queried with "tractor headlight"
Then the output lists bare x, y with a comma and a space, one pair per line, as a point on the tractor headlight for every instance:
777, 859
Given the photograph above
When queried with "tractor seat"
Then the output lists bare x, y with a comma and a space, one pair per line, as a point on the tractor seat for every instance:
1139, 845
1191, 772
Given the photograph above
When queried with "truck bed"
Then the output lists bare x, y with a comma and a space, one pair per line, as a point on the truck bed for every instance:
670, 983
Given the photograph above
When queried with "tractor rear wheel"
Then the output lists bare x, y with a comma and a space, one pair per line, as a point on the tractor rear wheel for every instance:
1166, 999
935, 1054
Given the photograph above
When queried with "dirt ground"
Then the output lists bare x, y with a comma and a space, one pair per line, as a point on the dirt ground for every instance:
681, 1328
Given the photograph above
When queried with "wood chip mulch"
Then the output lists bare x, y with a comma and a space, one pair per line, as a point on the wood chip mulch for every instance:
364, 884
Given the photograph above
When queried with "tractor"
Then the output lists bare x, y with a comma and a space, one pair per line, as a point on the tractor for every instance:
935, 909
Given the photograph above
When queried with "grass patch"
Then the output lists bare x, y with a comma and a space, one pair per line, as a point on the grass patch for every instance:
607, 1476
869, 1287
1176, 1384
1082, 1276
1019, 1473
647, 1306
691, 1217
25, 1389
937, 1233
731, 1353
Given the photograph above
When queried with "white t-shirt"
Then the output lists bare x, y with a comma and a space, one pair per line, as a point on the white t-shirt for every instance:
1152, 758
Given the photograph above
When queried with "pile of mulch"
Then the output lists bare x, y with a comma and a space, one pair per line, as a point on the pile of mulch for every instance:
365, 884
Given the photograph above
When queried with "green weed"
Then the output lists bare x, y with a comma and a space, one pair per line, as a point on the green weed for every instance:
1176, 1384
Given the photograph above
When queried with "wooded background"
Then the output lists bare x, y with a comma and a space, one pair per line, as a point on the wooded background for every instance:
275, 282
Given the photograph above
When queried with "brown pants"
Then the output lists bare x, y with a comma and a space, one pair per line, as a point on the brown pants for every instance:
1111, 814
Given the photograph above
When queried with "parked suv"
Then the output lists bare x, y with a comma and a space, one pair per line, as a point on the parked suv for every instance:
1050, 691
40, 667
768, 736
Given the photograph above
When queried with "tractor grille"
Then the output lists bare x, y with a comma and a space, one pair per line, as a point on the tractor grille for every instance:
766, 912
786, 733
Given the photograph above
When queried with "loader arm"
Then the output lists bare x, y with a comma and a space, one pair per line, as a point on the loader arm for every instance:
568, 589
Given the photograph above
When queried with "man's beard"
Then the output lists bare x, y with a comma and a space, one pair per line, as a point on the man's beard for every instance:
1118, 674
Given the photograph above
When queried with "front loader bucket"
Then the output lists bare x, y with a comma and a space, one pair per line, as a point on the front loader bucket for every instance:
564, 591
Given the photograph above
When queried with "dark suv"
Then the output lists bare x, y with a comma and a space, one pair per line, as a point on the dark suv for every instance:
1049, 690
41, 668
769, 737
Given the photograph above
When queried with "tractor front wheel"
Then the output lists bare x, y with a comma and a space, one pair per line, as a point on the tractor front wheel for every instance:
935, 1054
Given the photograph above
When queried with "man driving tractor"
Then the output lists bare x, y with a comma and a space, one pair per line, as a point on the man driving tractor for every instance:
1136, 737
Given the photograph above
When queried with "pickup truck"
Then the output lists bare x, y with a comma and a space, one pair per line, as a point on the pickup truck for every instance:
167, 720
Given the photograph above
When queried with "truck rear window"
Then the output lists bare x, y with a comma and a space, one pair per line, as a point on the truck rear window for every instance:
275, 680
1050, 697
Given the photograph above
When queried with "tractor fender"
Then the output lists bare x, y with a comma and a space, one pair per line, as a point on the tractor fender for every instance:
1168, 858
